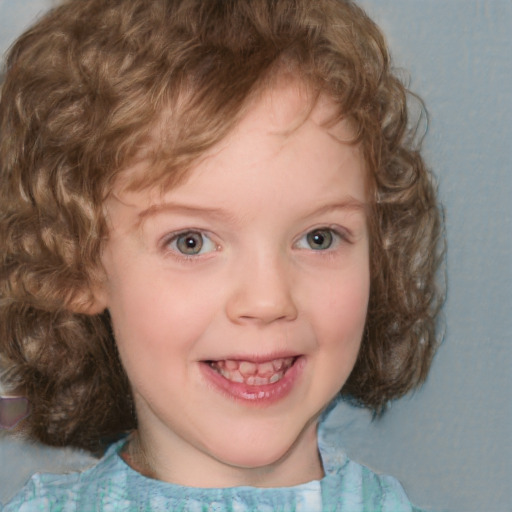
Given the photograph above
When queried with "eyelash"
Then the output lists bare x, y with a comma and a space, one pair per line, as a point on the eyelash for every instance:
337, 236
170, 242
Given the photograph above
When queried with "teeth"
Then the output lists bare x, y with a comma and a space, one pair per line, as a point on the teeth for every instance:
247, 368
277, 364
266, 369
253, 374
276, 377
231, 365
234, 376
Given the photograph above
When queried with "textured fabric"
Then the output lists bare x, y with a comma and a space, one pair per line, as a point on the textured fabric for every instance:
112, 486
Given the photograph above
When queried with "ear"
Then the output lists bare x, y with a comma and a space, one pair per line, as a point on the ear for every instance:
91, 300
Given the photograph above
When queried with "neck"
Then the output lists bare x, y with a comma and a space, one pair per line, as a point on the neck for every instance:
135, 457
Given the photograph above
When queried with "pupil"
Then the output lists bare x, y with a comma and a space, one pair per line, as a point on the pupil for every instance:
190, 243
318, 238
321, 239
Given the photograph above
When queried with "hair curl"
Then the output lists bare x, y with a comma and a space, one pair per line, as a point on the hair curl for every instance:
83, 89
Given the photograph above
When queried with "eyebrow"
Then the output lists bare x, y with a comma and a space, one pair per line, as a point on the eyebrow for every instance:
157, 209
349, 204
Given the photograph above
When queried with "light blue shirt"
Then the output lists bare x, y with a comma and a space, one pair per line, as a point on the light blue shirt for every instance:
113, 486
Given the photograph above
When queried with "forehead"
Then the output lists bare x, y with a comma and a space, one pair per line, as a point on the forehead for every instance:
283, 109
274, 114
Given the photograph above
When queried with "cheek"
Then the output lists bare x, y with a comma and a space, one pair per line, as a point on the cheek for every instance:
339, 318
158, 320
154, 300
341, 307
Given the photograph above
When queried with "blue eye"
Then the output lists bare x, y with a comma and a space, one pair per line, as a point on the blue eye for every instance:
191, 243
319, 239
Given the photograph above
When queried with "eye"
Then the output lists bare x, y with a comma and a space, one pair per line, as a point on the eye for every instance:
319, 239
191, 243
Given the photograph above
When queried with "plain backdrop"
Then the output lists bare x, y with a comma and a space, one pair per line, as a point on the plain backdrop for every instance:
449, 443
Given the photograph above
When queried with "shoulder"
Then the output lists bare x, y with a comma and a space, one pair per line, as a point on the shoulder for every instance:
358, 488
372, 491
74, 492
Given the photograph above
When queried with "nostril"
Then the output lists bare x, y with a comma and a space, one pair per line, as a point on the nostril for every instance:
267, 315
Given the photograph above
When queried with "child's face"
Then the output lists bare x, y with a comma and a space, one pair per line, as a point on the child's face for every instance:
239, 297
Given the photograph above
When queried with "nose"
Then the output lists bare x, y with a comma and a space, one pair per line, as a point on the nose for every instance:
262, 292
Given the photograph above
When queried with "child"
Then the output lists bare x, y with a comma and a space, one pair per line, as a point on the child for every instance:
212, 220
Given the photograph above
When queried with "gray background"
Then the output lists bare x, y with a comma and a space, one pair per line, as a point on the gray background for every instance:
449, 443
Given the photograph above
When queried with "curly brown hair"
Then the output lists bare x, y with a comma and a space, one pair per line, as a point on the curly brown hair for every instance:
83, 90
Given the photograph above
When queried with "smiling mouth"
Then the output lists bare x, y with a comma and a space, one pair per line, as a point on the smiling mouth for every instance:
252, 373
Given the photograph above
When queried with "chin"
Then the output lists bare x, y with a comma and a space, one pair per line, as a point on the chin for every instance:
254, 459
256, 451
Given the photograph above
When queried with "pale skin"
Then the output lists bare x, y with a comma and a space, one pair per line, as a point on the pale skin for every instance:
260, 256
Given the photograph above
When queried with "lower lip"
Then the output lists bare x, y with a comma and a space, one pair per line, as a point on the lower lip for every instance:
263, 395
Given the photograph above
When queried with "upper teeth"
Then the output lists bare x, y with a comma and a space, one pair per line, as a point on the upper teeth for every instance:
253, 374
